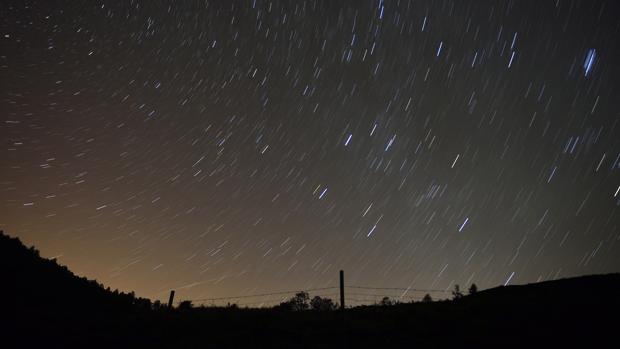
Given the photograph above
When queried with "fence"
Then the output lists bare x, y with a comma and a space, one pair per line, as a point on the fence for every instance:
349, 295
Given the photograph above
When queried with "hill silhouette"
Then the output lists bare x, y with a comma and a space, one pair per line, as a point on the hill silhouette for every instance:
48, 306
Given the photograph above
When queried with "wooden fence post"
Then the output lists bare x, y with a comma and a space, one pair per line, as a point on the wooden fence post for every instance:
171, 300
342, 289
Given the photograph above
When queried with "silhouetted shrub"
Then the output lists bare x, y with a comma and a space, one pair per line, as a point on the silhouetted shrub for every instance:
322, 304
386, 301
185, 305
473, 289
296, 303
427, 298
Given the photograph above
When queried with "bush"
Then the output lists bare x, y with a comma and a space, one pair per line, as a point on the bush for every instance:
322, 304
185, 305
386, 301
473, 289
296, 303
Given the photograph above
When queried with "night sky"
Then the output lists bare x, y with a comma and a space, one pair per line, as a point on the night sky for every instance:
238, 147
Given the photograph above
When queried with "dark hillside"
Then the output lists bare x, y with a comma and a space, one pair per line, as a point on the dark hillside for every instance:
45, 302
47, 305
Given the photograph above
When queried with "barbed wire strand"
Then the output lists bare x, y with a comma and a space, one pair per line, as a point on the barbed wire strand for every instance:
396, 288
262, 294
406, 289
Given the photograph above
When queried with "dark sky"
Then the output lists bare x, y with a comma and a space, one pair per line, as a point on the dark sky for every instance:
238, 147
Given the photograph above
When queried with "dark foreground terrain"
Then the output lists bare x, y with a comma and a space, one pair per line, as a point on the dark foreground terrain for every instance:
45, 305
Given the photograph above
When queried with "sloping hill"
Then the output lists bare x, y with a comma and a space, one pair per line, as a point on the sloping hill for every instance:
36, 281
47, 305
572, 312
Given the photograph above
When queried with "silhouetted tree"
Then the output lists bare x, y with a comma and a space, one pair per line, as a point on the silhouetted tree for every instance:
322, 304
300, 301
457, 293
296, 303
473, 289
427, 298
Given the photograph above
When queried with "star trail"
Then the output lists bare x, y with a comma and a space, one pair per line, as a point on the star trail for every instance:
239, 147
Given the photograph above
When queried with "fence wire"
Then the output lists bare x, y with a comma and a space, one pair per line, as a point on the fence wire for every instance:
366, 297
